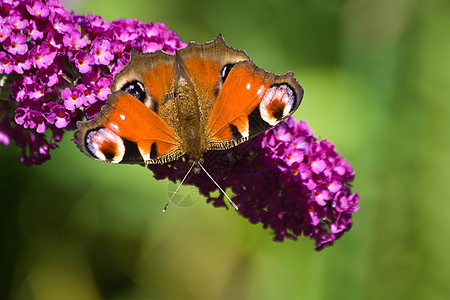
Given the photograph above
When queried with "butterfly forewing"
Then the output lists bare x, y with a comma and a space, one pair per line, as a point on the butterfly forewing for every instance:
250, 102
126, 131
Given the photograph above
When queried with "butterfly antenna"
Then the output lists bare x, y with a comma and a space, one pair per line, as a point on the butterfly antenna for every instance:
232, 203
185, 176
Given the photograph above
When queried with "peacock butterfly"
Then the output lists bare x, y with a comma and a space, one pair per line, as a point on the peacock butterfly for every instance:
207, 96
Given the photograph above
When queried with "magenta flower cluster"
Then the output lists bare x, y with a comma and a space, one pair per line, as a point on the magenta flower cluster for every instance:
56, 67
284, 179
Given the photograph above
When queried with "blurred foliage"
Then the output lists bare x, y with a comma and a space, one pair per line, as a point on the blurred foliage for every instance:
376, 77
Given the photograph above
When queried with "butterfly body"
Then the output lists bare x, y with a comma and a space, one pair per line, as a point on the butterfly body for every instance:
205, 97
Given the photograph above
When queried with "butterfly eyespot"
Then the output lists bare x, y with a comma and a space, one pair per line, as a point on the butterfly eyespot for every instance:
135, 89
225, 71
278, 102
105, 145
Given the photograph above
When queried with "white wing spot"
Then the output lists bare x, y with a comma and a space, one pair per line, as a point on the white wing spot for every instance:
114, 126
248, 86
122, 117
261, 90
102, 137
276, 97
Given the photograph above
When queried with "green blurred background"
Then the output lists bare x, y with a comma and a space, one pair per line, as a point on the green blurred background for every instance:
376, 76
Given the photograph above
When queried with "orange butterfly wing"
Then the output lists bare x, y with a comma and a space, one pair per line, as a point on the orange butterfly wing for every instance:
135, 128
238, 100
126, 131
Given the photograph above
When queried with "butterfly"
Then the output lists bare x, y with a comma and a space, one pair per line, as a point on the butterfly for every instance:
207, 96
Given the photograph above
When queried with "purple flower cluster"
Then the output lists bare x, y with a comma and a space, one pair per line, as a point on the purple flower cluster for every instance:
285, 179
56, 67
